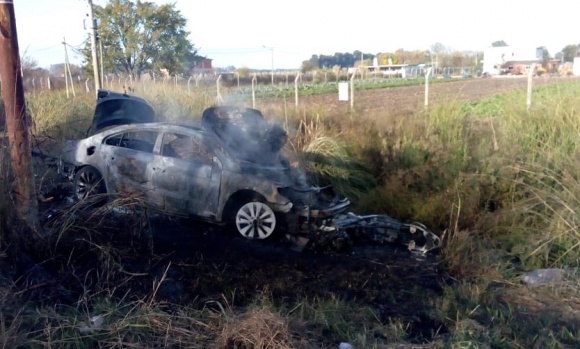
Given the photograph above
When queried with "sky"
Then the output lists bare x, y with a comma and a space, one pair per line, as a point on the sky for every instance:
259, 34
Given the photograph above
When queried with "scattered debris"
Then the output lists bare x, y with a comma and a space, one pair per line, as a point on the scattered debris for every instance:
94, 324
550, 276
343, 231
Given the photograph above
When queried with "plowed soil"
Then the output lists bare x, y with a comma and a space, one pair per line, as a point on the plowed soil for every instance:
407, 99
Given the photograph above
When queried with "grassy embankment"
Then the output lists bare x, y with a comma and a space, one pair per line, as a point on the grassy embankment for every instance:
499, 183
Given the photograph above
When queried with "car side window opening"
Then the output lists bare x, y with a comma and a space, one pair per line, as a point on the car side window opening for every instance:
184, 147
142, 140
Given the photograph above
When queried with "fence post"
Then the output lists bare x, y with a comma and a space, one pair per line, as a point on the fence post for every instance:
87, 86
529, 97
296, 89
254, 83
352, 89
427, 74
219, 98
188, 80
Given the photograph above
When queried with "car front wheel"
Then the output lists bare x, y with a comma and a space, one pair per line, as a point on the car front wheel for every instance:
255, 220
88, 182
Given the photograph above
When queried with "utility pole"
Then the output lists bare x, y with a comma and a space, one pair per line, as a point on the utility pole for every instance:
17, 121
272, 54
93, 34
67, 72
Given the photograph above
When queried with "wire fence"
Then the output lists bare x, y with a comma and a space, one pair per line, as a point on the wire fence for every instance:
83, 84
262, 85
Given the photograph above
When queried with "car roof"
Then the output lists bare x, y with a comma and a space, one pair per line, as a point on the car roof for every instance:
161, 126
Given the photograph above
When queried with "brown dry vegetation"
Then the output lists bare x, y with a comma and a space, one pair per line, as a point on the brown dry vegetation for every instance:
497, 183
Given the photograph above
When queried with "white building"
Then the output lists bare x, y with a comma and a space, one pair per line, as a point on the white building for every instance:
505, 59
576, 66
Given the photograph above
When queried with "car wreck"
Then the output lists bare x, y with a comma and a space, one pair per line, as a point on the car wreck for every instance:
227, 167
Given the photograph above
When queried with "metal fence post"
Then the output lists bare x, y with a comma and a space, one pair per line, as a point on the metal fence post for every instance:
529, 96
254, 83
352, 89
219, 98
427, 74
296, 89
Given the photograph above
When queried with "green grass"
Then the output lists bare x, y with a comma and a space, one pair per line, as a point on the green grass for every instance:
309, 89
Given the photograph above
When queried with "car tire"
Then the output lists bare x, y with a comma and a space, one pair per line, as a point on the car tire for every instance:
88, 182
255, 220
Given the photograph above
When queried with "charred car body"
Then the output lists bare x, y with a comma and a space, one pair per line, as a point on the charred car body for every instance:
228, 167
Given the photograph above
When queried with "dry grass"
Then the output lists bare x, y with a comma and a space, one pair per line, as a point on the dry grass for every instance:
258, 328
500, 183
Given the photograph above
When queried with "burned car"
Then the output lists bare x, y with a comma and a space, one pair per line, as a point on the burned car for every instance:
228, 167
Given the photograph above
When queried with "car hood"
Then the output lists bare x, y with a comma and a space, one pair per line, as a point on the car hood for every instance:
115, 108
246, 134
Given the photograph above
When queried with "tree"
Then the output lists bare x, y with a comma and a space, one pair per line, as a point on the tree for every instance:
243, 72
545, 57
499, 43
569, 52
141, 36
30, 69
59, 69
308, 66
438, 48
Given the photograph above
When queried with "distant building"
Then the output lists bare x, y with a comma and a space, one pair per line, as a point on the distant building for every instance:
552, 65
203, 66
385, 69
576, 66
511, 60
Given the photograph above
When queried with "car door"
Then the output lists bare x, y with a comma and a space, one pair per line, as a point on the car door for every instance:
127, 157
186, 175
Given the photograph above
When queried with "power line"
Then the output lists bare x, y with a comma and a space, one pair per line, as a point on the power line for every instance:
78, 46
46, 48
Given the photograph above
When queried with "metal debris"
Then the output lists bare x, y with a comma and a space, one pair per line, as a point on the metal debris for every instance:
343, 231
94, 324
550, 276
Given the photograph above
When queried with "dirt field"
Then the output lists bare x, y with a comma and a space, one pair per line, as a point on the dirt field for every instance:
406, 99
206, 262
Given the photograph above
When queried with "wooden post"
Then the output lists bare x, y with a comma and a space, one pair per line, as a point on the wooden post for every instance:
94, 54
17, 122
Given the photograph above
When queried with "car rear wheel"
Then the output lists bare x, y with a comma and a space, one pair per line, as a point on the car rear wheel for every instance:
88, 182
255, 220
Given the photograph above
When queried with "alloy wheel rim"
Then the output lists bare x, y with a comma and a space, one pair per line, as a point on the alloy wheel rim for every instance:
255, 220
